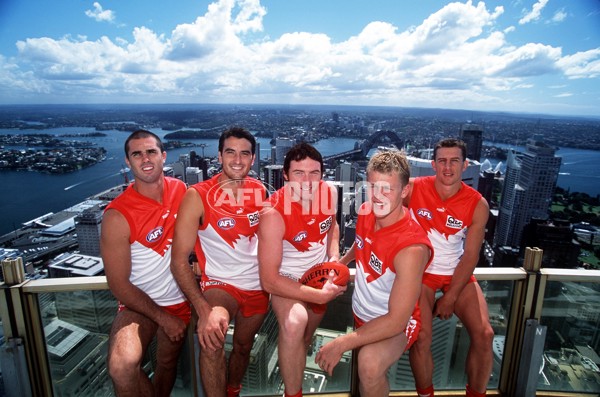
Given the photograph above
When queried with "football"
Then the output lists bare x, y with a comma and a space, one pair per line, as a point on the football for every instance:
318, 275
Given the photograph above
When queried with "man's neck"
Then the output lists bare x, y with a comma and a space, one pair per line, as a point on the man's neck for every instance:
153, 191
447, 191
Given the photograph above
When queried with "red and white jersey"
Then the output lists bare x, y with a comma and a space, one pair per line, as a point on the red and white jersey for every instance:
227, 244
151, 226
305, 239
445, 221
375, 251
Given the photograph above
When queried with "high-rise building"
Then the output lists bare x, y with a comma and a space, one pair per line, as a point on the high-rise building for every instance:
256, 165
87, 226
472, 135
282, 146
193, 175
529, 184
346, 172
273, 177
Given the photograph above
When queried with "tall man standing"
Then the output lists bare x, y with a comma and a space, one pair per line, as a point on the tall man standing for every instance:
219, 217
299, 231
135, 242
447, 208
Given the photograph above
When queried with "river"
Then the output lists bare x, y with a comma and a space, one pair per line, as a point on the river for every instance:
27, 195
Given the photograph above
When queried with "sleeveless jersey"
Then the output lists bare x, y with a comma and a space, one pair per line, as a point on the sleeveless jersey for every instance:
151, 226
227, 244
305, 238
445, 221
375, 252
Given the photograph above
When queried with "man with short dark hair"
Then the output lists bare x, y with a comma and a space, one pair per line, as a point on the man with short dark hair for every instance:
135, 242
447, 208
219, 218
297, 232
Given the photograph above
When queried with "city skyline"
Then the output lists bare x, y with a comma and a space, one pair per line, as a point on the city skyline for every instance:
527, 56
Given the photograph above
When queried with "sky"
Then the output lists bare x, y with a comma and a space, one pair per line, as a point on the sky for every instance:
515, 56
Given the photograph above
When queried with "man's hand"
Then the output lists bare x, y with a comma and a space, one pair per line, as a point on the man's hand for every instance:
173, 326
444, 307
331, 290
213, 328
328, 357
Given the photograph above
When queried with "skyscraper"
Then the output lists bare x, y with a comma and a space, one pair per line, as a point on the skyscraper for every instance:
87, 225
472, 135
527, 192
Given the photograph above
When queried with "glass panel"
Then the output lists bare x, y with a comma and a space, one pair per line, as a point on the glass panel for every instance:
76, 329
451, 341
571, 311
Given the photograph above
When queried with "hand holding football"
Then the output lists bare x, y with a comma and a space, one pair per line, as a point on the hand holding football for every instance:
318, 275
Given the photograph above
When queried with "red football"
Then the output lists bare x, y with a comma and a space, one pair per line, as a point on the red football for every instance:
318, 275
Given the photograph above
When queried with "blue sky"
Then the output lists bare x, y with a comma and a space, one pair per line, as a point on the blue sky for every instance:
521, 56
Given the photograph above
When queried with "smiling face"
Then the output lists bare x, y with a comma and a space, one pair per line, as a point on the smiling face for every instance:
385, 193
236, 158
303, 178
449, 165
145, 159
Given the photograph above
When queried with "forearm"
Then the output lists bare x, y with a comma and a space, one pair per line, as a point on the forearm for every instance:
137, 300
186, 279
461, 276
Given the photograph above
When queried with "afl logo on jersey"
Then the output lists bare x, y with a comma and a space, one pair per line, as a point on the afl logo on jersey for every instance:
226, 223
454, 223
154, 234
300, 236
424, 213
359, 242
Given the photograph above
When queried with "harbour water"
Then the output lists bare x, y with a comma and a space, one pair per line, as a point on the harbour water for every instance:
27, 195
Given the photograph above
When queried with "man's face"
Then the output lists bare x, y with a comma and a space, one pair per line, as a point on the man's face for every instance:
303, 178
236, 157
385, 193
449, 165
145, 159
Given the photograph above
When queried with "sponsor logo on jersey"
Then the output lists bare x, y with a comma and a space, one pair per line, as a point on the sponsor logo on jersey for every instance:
425, 213
311, 221
154, 234
359, 242
454, 223
253, 219
226, 223
300, 236
375, 263
325, 225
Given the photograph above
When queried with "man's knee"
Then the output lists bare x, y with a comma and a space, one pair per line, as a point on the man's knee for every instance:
483, 336
293, 327
370, 370
123, 364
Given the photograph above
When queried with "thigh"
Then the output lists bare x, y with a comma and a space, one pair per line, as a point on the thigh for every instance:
289, 310
471, 307
220, 297
246, 328
382, 354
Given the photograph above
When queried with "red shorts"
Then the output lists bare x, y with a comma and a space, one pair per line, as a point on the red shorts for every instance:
250, 303
182, 310
440, 281
411, 331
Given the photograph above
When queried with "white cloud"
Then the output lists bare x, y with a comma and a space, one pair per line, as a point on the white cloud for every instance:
535, 12
458, 56
559, 16
99, 14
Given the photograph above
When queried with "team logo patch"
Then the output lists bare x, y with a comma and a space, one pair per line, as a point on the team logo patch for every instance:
325, 225
154, 234
375, 263
454, 223
253, 219
425, 213
300, 236
226, 223
359, 242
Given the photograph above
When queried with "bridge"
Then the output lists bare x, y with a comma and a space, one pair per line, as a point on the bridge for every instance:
362, 147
